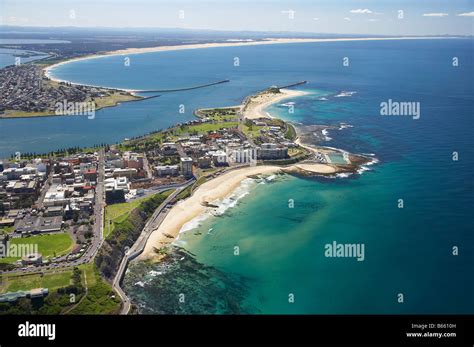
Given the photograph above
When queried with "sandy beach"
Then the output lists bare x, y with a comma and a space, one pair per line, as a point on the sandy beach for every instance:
256, 105
130, 51
184, 211
313, 167
215, 189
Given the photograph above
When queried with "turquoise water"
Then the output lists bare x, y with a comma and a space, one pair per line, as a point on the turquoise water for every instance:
282, 250
407, 250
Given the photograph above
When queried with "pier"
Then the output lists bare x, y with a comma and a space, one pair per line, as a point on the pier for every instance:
293, 85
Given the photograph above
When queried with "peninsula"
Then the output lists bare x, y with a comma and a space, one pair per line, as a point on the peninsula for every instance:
246, 127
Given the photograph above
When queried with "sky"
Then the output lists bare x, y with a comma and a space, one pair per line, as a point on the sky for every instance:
378, 17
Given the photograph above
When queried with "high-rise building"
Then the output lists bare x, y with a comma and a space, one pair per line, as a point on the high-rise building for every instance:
187, 167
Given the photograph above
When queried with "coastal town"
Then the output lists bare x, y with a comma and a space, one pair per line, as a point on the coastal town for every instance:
172, 172
72, 220
73, 206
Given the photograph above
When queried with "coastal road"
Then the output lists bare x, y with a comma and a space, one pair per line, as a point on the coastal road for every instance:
137, 248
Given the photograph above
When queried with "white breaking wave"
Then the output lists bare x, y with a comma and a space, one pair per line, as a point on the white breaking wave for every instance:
194, 223
344, 94
222, 206
366, 167
325, 132
344, 126
270, 178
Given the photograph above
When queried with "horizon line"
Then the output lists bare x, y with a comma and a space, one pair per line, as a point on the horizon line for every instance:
223, 31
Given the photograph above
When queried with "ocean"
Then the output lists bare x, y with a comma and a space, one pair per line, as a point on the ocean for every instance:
280, 264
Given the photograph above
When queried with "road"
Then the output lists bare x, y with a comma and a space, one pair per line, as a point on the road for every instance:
153, 223
98, 235
98, 230
146, 166
98, 238
44, 189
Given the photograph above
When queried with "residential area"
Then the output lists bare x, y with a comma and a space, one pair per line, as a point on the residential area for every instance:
25, 91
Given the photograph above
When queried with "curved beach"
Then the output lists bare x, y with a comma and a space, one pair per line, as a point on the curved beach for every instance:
209, 192
256, 105
130, 51
188, 209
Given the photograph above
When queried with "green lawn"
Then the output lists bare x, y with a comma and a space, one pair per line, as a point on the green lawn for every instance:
253, 131
224, 118
50, 245
7, 230
153, 140
204, 128
290, 132
100, 298
117, 213
88, 272
13, 283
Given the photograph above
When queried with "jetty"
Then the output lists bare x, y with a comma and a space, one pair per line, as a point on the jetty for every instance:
293, 85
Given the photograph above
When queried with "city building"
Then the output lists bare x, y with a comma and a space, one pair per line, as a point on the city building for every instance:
31, 259
167, 170
272, 151
204, 162
219, 158
187, 167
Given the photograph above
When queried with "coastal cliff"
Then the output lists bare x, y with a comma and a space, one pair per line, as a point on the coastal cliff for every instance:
124, 235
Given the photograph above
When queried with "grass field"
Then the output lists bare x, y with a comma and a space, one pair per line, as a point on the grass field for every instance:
203, 128
13, 283
88, 272
117, 213
100, 298
253, 130
7, 230
50, 245
113, 99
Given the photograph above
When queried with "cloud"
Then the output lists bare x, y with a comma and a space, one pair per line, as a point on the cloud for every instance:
373, 20
347, 19
467, 14
362, 11
315, 18
438, 14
